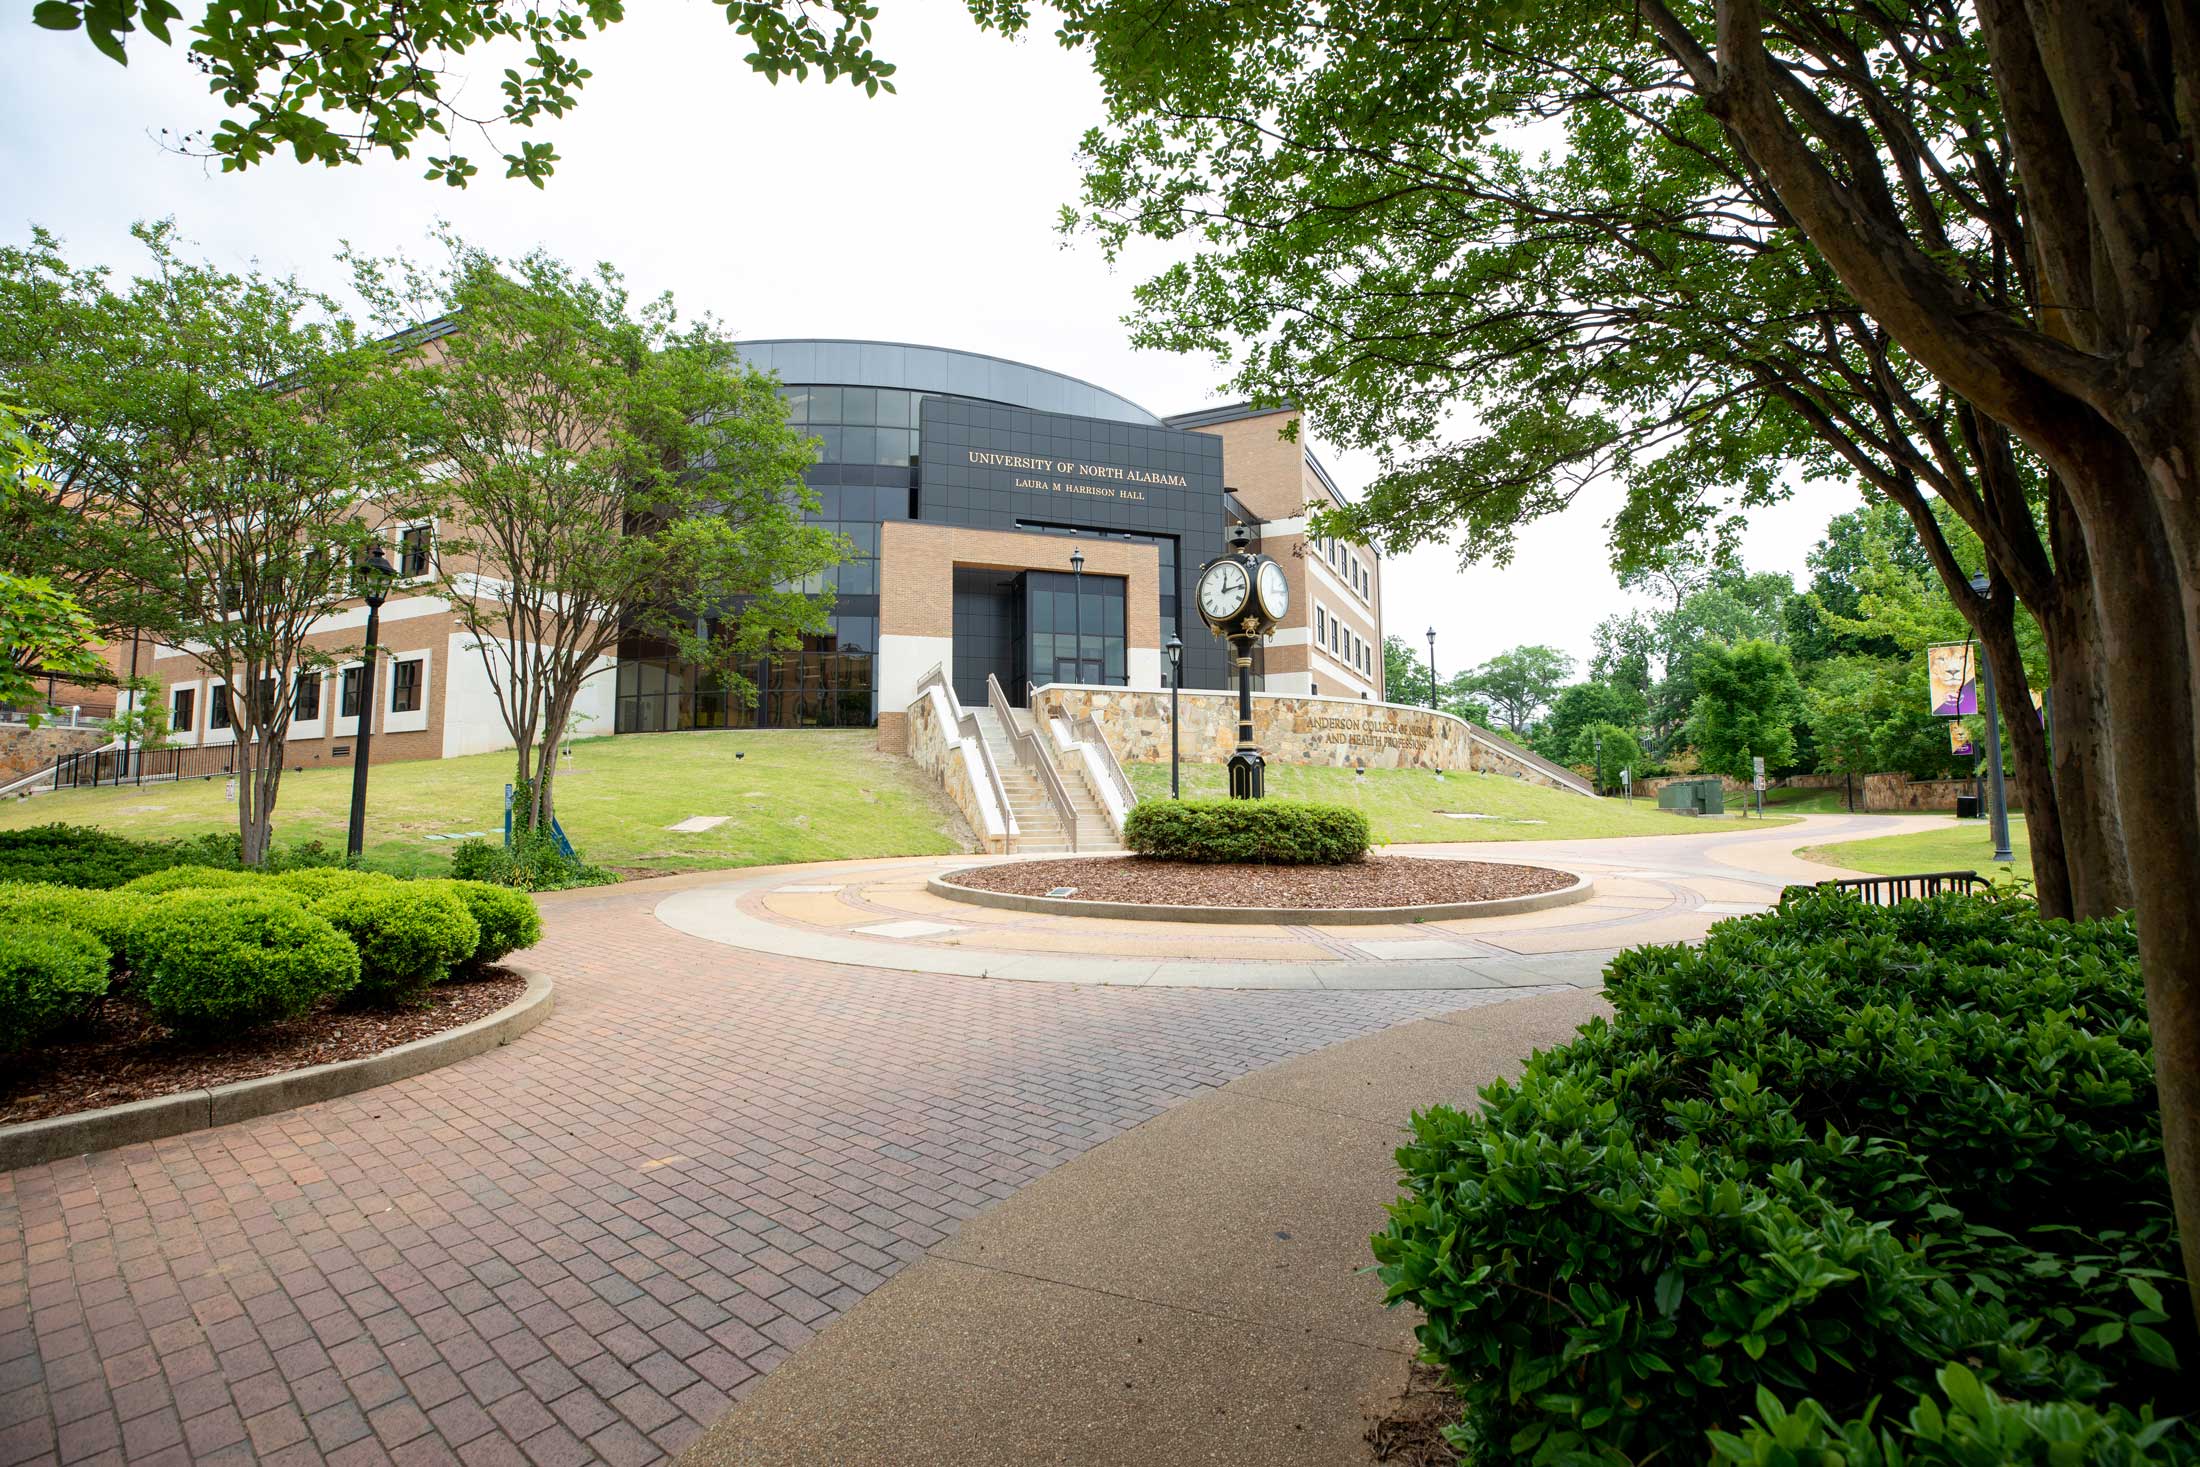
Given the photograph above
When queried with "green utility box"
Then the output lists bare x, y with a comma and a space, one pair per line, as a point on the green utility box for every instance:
1694, 797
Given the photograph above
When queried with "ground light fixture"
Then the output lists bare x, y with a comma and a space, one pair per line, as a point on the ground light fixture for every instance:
375, 573
1997, 794
1176, 681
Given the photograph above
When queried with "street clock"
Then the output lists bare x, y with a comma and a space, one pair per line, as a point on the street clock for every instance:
1243, 596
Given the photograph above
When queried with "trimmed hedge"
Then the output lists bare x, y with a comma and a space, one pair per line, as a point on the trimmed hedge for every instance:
507, 918
216, 960
48, 975
84, 855
106, 915
315, 882
1838, 1156
1260, 832
409, 935
192, 878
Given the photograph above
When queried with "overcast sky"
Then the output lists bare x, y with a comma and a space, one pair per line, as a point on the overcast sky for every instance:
796, 210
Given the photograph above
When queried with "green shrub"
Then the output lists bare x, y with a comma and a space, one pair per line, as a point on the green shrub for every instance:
210, 961
1266, 832
1820, 1158
106, 915
48, 975
508, 920
409, 934
532, 863
83, 855
192, 878
311, 883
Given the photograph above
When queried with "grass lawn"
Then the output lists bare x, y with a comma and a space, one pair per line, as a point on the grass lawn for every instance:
1406, 805
797, 795
1805, 802
1962, 846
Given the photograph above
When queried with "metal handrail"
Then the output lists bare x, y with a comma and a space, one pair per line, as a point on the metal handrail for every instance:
966, 726
1032, 757
1087, 729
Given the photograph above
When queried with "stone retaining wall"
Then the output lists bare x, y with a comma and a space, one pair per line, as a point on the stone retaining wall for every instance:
25, 750
1898, 792
1294, 729
942, 752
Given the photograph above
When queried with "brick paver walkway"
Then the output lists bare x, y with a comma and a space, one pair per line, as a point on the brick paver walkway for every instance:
581, 1247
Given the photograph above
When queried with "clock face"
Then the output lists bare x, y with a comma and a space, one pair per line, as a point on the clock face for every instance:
1275, 591
1223, 590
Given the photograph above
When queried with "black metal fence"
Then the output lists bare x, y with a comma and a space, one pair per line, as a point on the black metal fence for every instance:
1885, 891
96, 767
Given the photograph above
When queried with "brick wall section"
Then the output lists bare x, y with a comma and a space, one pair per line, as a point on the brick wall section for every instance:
918, 560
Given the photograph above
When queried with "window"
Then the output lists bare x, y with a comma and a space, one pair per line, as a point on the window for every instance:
183, 710
405, 686
413, 550
347, 696
217, 708
305, 698
1321, 625
264, 707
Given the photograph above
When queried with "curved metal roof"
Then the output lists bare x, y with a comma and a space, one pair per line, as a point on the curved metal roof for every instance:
828, 361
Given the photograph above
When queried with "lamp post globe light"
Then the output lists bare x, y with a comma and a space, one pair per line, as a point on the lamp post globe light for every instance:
1997, 795
1432, 669
1242, 596
375, 575
1176, 680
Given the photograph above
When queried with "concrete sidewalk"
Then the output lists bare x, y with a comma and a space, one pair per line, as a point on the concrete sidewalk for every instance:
1192, 1291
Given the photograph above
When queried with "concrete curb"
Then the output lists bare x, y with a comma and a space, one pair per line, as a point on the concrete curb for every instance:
1582, 889
33, 1142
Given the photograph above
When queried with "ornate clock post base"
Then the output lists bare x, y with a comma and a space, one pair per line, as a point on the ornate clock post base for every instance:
1246, 766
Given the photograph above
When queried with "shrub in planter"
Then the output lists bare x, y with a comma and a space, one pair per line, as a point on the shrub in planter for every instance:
1265, 832
48, 975
106, 915
409, 934
507, 918
1815, 1161
209, 961
192, 878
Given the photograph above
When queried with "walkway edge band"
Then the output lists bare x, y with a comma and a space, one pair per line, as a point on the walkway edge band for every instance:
32, 1142
1582, 889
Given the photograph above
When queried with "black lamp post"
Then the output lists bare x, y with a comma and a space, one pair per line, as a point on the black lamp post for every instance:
1997, 796
375, 575
1077, 613
1432, 669
1176, 680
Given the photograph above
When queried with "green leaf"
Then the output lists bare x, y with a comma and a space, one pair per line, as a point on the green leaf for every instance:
55, 15
1670, 1287
2153, 1347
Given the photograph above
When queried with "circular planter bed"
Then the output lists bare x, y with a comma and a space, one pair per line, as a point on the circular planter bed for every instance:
118, 1076
1381, 889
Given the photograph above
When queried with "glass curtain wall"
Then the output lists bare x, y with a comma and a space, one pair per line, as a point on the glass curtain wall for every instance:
1076, 627
868, 438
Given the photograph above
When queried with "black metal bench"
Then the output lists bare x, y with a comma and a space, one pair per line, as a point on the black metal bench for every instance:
1885, 891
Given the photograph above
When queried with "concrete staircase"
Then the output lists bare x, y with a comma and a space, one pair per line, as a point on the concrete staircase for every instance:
1039, 826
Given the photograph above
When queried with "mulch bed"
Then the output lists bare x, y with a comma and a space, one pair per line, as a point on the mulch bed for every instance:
1378, 881
119, 1052
1409, 1429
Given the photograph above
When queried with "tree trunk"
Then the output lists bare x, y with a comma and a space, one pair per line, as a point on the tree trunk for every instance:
2085, 770
2148, 672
